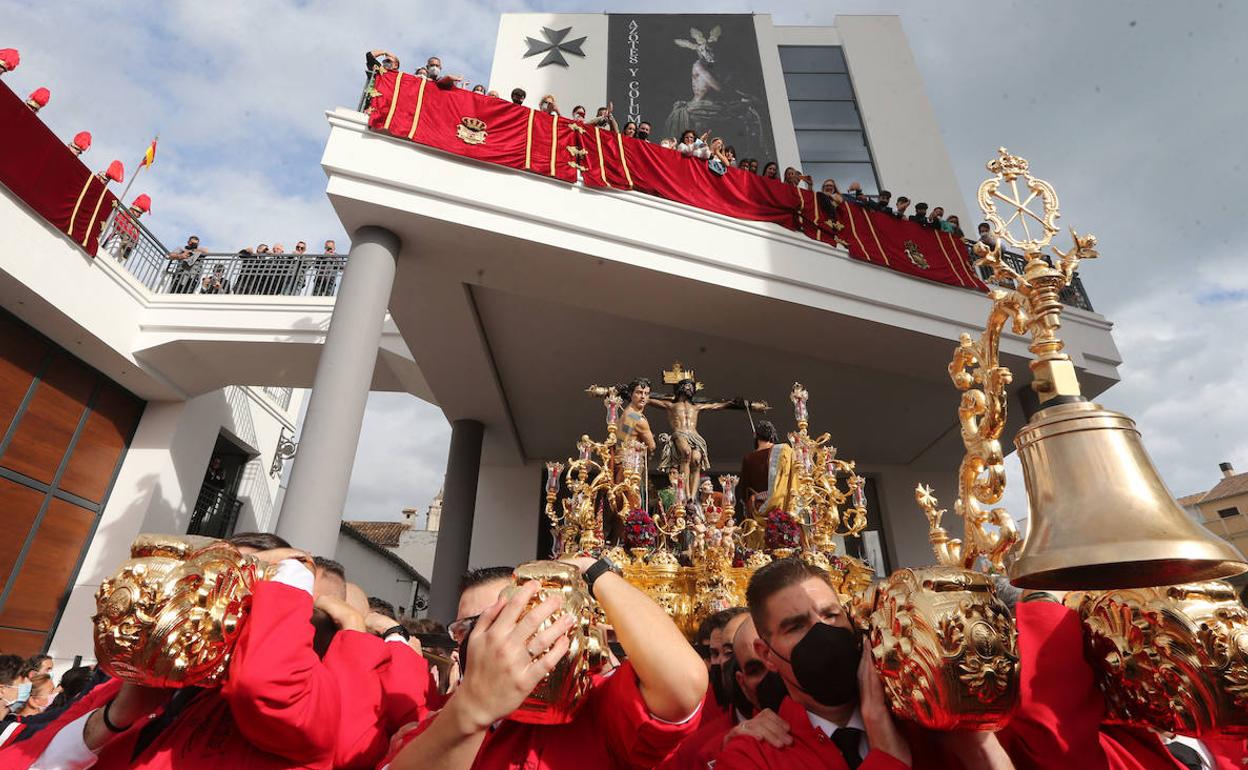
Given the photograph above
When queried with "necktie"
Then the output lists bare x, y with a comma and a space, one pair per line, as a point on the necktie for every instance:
847, 739
1187, 756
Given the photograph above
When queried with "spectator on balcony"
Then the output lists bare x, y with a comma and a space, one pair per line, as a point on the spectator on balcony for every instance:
955, 226
730, 153
251, 269
605, 119
829, 197
693, 145
669, 143
579, 113
433, 69
296, 281
753, 165
125, 235
903, 203
517, 95
81, 143
771, 170
9, 59
718, 162
216, 282
478, 89
326, 271
548, 106
184, 264
881, 202
920, 215
986, 237
422, 72
855, 195
379, 61
492, 93
643, 130
38, 99
630, 129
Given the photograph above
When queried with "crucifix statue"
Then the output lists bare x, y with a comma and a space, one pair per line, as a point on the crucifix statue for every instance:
685, 449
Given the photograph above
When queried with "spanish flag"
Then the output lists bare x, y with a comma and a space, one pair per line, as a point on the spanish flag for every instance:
150, 155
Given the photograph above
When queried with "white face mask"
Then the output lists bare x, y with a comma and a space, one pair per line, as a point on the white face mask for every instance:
433, 72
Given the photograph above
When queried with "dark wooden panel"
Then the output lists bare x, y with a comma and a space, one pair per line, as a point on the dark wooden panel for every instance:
45, 428
24, 643
21, 351
44, 574
18, 508
103, 439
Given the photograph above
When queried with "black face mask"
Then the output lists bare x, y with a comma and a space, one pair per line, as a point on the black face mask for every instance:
717, 684
643, 134
771, 691
825, 663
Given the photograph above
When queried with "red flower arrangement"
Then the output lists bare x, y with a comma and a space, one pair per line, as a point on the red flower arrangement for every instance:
781, 530
640, 530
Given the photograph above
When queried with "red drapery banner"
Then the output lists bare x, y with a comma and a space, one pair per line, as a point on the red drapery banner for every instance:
497, 131
908, 247
39, 169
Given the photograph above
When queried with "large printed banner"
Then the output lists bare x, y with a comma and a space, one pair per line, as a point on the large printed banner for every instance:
39, 168
496, 131
692, 71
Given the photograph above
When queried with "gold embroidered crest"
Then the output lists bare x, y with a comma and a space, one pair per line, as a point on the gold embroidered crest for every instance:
916, 256
471, 130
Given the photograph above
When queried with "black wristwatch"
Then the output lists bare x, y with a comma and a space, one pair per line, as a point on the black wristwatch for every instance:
596, 570
397, 629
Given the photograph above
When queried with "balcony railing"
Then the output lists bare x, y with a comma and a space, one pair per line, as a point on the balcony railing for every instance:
280, 396
1073, 295
291, 275
216, 513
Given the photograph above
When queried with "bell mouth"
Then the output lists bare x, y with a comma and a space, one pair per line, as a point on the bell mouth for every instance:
1136, 574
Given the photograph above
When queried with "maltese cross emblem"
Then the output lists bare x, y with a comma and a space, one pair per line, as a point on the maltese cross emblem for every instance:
554, 46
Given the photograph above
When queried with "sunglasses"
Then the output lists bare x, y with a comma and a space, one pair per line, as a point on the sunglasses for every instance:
460, 628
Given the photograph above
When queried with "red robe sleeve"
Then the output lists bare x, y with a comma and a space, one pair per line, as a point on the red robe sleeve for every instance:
284, 700
635, 736
18, 756
407, 685
358, 662
746, 753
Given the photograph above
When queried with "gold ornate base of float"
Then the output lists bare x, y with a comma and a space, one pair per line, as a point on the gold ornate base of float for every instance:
170, 615
1173, 658
945, 647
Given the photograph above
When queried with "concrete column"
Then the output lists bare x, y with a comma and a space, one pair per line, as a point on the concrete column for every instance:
317, 490
459, 500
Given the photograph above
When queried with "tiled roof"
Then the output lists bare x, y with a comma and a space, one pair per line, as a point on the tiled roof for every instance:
1228, 487
382, 533
352, 530
1187, 500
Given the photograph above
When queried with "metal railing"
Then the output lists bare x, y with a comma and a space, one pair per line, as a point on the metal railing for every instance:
281, 396
147, 259
216, 513
1073, 295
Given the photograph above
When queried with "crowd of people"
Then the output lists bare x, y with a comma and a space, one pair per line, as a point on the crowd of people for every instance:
262, 270
715, 150
323, 676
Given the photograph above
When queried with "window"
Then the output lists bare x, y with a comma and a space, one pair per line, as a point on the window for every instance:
831, 142
1227, 513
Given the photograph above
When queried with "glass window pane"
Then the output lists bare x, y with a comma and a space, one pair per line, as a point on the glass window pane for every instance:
830, 146
843, 173
811, 58
819, 86
842, 115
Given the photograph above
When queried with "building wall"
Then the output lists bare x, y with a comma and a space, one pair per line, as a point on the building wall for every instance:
375, 574
584, 81
504, 527
64, 429
159, 481
1234, 528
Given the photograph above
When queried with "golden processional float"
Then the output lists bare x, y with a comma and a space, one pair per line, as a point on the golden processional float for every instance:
1168, 639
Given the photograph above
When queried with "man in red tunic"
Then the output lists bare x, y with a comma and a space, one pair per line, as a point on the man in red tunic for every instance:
836, 709
279, 708
631, 718
1060, 720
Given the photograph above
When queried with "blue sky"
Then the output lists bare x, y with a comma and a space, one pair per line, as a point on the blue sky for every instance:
1133, 110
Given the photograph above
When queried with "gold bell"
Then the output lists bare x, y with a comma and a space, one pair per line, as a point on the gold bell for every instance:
1101, 517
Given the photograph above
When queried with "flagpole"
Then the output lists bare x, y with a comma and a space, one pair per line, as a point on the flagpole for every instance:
108, 223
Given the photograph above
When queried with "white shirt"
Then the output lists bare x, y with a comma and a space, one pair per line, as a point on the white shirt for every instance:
828, 727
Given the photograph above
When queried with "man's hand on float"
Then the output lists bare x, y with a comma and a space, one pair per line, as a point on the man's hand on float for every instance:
131, 703
509, 655
582, 563
767, 726
882, 732
378, 623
